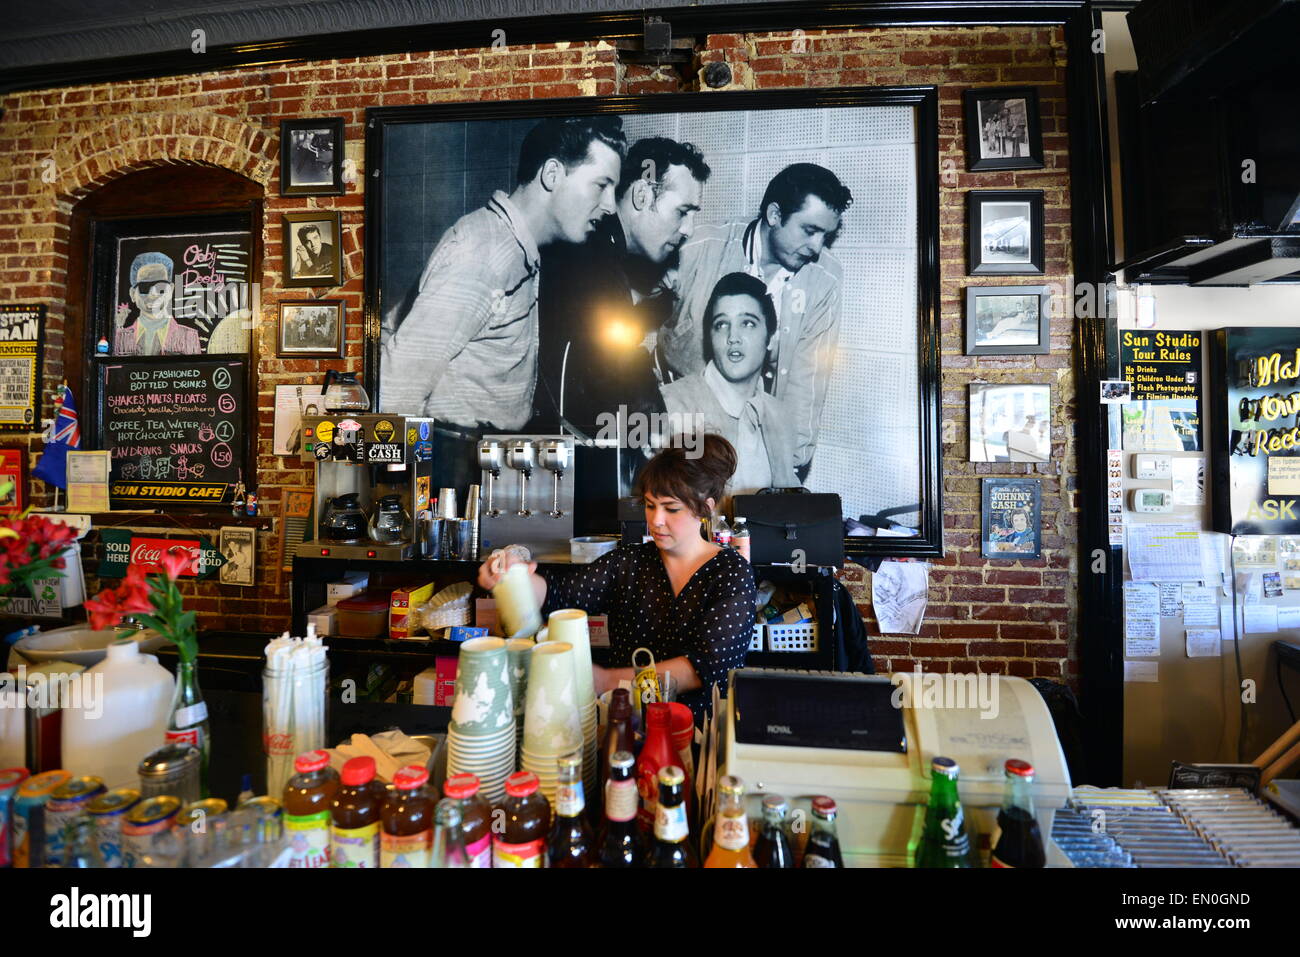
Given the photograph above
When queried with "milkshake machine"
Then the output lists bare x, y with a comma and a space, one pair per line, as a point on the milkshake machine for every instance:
373, 476
528, 488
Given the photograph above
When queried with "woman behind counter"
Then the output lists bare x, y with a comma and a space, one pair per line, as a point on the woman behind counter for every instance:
687, 600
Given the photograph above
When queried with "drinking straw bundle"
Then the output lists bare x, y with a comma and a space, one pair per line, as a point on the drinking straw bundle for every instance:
294, 693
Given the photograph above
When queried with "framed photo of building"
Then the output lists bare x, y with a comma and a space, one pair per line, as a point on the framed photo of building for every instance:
1010, 423
311, 328
1005, 232
1011, 518
1008, 320
311, 248
488, 327
1003, 128
311, 157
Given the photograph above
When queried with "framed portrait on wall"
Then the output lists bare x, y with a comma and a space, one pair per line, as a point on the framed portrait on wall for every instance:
1011, 518
311, 157
1005, 232
312, 328
13, 481
310, 242
1008, 320
634, 272
1003, 128
1010, 423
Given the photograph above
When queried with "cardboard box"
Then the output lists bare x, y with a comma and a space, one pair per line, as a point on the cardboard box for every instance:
598, 630
796, 615
446, 689
485, 615
324, 619
466, 632
353, 583
400, 624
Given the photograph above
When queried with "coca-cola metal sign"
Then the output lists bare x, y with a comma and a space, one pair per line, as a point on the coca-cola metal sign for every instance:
123, 549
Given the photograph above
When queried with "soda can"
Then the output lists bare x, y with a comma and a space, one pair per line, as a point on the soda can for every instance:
146, 821
64, 805
29, 816
200, 826
107, 813
10, 779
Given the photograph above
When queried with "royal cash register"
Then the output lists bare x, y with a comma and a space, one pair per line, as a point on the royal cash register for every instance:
801, 734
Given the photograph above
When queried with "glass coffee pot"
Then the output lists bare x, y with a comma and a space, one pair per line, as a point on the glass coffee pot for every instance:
344, 520
343, 393
390, 523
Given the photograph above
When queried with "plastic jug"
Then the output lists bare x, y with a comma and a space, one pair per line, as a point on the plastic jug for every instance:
122, 717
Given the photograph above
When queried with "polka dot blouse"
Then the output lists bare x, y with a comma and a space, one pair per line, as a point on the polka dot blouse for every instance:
710, 621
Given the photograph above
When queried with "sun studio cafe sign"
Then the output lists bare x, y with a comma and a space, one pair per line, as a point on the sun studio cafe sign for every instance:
1256, 431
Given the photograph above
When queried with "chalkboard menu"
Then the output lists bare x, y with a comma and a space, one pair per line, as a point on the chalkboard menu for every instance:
175, 430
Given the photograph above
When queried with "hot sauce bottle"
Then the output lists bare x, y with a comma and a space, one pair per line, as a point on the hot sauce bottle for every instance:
657, 752
354, 817
307, 800
475, 817
406, 820
528, 819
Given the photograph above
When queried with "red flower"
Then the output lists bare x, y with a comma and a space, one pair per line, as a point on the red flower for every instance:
104, 610
135, 590
176, 561
108, 608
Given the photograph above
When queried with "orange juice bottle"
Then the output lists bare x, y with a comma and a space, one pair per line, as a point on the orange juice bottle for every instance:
731, 828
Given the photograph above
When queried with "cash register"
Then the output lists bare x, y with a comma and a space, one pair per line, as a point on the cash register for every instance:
801, 734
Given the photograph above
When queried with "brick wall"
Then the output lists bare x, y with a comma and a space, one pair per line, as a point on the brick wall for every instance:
1011, 617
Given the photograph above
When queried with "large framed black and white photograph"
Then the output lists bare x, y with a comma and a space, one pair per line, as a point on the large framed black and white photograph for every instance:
311, 328
311, 157
1005, 232
762, 265
1011, 422
1008, 320
311, 245
1003, 128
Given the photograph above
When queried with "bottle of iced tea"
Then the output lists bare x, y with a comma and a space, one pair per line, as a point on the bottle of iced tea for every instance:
307, 800
475, 817
354, 817
823, 848
406, 820
528, 819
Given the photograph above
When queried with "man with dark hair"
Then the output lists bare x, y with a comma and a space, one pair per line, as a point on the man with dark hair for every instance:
314, 258
466, 352
784, 247
601, 301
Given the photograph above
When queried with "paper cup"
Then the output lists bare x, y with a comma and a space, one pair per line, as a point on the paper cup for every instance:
551, 717
590, 547
519, 650
570, 625
517, 609
482, 704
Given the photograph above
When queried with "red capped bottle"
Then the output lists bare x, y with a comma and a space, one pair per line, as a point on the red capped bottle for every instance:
657, 752
1019, 841
475, 817
406, 820
823, 848
307, 800
528, 819
354, 817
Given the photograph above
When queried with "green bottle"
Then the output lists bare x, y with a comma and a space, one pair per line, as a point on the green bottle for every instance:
944, 842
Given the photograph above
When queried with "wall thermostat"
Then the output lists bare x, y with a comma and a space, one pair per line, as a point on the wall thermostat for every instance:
1148, 500
1157, 467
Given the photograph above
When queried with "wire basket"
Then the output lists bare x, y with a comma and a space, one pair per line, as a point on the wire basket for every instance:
799, 637
756, 643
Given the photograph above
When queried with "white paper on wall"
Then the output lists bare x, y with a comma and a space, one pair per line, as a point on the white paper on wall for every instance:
1200, 607
1203, 643
1141, 620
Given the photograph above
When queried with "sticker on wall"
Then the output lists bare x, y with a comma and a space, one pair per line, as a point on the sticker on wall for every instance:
1115, 391
325, 431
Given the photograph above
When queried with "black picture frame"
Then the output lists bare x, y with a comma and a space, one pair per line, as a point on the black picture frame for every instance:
1010, 422
994, 125
1005, 232
314, 341
311, 157
981, 338
304, 268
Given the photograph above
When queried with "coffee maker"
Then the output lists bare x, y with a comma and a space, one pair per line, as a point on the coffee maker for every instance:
529, 494
361, 460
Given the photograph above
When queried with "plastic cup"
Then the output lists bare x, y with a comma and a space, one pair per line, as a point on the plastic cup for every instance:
551, 718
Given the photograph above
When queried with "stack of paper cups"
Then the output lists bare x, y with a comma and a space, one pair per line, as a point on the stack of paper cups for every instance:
519, 651
569, 625
481, 736
551, 722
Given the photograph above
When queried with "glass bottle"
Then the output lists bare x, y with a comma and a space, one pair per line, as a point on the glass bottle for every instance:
731, 827
307, 800
618, 735
475, 817
944, 841
527, 821
621, 844
823, 848
657, 752
672, 844
354, 817
448, 836
79, 849
406, 820
773, 846
187, 719
1018, 841
571, 843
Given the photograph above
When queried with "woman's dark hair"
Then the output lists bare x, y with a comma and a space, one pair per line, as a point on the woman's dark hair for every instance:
738, 284
692, 470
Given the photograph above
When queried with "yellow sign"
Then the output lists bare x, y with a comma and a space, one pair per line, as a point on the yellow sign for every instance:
1283, 475
325, 431
384, 431
411, 436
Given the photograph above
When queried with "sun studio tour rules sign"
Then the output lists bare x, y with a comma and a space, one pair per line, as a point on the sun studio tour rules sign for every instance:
174, 430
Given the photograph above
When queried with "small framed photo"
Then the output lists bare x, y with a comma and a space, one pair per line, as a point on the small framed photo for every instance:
311, 157
1008, 320
13, 481
1006, 232
311, 328
1011, 518
1010, 423
1116, 391
238, 547
1003, 129
310, 242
